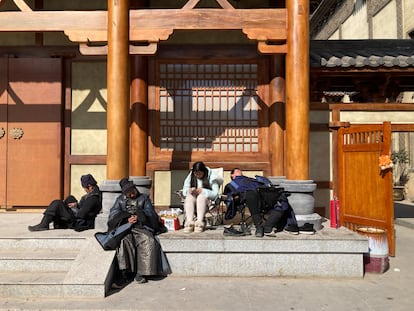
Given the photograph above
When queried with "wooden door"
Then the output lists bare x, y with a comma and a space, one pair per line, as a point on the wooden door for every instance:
3, 128
365, 191
31, 148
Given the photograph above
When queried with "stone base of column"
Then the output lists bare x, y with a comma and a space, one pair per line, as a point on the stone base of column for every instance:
302, 201
110, 191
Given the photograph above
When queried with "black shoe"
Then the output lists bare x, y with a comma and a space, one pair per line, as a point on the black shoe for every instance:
307, 228
123, 279
140, 279
292, 229
38, 227
120, 283
231, 231
259, 232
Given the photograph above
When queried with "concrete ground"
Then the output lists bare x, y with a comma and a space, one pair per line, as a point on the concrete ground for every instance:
392, 290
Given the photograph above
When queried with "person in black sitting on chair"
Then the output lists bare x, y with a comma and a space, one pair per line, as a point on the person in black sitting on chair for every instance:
243, 189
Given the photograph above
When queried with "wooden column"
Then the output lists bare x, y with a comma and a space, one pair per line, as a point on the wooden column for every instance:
118, 90
297, 91
139, 107
276, 115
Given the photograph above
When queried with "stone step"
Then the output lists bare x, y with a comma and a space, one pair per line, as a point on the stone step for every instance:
45, 285
53, 267
41, 242
327, 253
30, 278
38, 254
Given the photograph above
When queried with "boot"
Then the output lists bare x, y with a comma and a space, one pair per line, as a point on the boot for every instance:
123, 279
272, 220
44, 224
258, 223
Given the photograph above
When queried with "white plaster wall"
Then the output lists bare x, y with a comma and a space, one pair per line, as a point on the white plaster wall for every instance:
320, 156
76, 171
384, 23
408, 17
356, 26
319, 116
89, 98
335, 36
366, 117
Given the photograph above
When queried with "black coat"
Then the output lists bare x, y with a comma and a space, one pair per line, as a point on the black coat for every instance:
146, 214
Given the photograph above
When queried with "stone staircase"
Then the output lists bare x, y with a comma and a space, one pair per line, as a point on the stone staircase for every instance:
53, 267
65, 263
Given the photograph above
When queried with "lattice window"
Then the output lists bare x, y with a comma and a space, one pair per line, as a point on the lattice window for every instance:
209, 107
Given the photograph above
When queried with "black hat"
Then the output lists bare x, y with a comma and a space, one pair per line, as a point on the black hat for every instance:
87, 180
126, 185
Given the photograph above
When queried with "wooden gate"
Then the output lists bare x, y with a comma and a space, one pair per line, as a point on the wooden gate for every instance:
365, 191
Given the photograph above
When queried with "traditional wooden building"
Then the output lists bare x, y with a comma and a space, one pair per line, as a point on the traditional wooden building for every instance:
132, 88
148, 87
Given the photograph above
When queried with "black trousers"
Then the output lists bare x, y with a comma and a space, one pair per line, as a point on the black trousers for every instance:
253, 202
60, 213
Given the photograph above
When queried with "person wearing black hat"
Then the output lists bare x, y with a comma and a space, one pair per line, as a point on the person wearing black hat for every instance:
139, 254
71, 214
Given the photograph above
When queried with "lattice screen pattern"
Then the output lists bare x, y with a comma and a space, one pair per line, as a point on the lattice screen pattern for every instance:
209, 107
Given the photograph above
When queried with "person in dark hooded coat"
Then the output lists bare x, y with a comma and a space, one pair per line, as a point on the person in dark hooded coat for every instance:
71, 214
139, 254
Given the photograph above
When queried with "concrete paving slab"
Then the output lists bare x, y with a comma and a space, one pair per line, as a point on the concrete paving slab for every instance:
392, 290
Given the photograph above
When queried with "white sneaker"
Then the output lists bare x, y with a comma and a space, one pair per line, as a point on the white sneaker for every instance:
199, 227
188, 228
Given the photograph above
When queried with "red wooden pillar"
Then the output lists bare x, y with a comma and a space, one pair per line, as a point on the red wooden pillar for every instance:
139, 107
276, 115
297, 91
118, 90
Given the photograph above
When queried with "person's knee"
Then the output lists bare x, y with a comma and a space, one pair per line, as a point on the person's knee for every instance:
202, 201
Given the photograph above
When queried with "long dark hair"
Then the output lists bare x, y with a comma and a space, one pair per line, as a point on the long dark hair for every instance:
200, 166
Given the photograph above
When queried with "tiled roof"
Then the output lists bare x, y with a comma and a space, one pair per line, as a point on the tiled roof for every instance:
362, 53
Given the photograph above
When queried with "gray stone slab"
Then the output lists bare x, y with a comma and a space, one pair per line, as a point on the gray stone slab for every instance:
266, 264
327, 241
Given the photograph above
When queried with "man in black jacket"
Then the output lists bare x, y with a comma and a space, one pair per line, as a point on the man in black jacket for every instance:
139, 254
71, 214
260, 198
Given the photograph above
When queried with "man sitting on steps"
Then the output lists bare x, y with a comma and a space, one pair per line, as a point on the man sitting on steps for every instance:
260, 198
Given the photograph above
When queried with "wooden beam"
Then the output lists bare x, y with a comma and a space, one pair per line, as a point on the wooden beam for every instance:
91, 26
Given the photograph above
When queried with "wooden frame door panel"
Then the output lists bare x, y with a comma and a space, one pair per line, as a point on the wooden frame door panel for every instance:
3, 128
365, 191
34, 113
